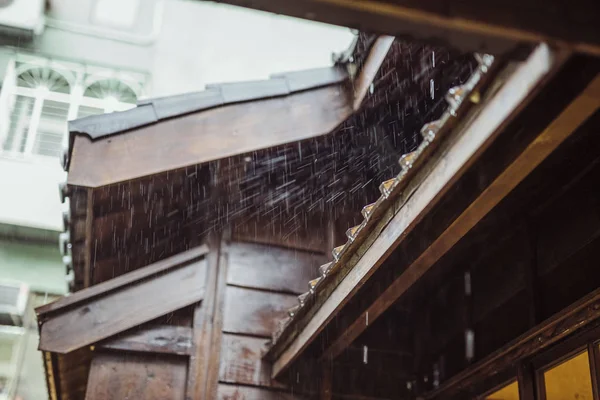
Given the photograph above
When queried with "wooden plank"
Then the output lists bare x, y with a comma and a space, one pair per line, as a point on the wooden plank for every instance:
456, 154
91, 321
217, 334
234, 392
87, 249
128, 376
545, 143
209, 135
272, 268
572, 319
326, 390
165, 339
242, 363
122, 281
202, 327
254, 312
468, 25
377, 54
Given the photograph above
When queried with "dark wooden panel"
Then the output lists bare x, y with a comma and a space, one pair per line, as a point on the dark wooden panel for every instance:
154, 339
242, 363
570, 221
254, 312
208, 135
273, 230
91, 321
127, 376
273, 268
232, 392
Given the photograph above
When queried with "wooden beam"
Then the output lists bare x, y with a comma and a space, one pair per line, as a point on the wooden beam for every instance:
208, 135
122, 281
467, 25
198, 368
565, 323
97, 318
453, 158
377, 54
164, 339
546, 142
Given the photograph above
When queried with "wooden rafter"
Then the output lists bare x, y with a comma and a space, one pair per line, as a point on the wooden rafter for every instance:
469, 25
428, 186
377, 54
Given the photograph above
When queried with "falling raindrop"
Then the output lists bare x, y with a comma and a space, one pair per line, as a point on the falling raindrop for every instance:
365, 355
367, 319
433, 59
432, 88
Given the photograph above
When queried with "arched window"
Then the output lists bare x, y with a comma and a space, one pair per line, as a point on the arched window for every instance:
40, 97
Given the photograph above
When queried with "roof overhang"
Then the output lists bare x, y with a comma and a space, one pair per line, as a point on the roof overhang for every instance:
467, 25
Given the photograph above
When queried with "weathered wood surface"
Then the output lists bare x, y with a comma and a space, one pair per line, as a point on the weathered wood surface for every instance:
272, 268
208, 135
456, 154
468, 25
254, 312
242, 363
128, 376
202, 326
377, 54
165, 339
255, 230
123, 281
88, 322
217, 334
545, 143
234, 392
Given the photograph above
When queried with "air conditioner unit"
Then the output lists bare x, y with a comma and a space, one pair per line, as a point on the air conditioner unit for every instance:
13, 303
23, 18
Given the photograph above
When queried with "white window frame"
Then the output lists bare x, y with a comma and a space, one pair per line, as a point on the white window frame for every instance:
80, 77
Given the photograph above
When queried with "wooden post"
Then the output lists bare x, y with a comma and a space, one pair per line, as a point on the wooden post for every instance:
326, 384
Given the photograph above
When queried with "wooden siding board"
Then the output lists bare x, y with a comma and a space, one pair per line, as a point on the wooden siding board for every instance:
127, 376
154, 339
242, 363
235, 392
254, 312
272, 268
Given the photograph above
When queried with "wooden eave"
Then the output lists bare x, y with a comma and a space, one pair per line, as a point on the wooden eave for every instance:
105, 313
75, 321
407, 198
223, 121
470, 25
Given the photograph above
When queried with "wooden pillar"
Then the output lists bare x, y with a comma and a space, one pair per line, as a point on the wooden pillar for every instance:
326, 384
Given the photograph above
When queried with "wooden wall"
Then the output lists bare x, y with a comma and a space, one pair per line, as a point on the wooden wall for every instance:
212, 350
262, 283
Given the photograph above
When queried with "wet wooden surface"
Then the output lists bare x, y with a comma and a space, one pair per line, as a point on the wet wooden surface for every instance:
100, 318
154, 339
127, 376
254, 312
273, 268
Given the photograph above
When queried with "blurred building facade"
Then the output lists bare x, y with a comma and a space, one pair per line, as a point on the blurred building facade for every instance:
66, 59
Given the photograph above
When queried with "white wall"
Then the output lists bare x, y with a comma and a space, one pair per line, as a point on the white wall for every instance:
29, 193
